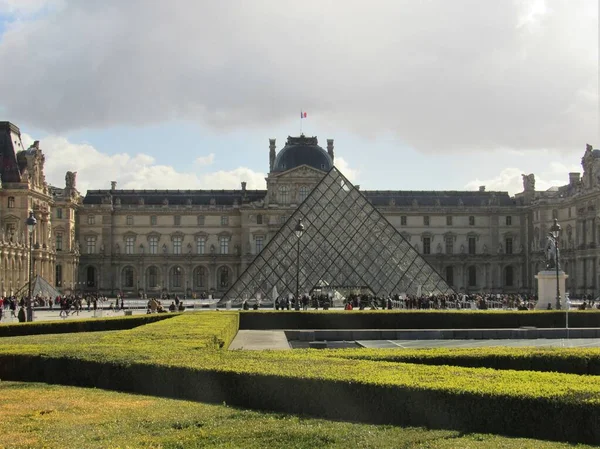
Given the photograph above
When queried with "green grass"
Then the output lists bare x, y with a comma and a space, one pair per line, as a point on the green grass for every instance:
48, 416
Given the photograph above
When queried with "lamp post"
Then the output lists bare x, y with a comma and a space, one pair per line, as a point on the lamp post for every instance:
555, 232
31, 222
299, 230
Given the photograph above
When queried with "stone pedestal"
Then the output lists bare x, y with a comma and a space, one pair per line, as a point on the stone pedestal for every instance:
547, 289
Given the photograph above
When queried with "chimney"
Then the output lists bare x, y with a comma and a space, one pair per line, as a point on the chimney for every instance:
330, 148
271, 154
113, 185
574, 178
244, 186
482, 188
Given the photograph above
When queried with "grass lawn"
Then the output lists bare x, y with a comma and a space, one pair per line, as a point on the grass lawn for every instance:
37, 415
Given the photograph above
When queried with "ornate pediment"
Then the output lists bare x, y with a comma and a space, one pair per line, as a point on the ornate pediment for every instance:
153, 235
303, 171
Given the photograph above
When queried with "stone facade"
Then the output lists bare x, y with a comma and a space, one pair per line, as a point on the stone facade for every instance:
200, 241
23, 188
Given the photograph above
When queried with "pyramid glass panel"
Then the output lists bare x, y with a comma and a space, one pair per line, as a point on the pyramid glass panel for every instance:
346, 244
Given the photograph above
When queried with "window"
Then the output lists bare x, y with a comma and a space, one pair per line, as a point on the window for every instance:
200, 245
449, 221
153, 220
259, 244
58, 276
508, 276
153, 245
224, 220
259, 219
403, 220
302, 193
200, 220
11, 202
472, 245
569, 212
177, 220
508, 220
509, 245
129, 220
127, 277
59, 241
426, 220
152, 277
91, 219
471, 220
223, 277
426, 245
91, 276
450, 275
200, 277
90, 243
472, 274
284, 195
177, 242
449, 244
283, 219
224, 245
59, 211
129, 241
176, 277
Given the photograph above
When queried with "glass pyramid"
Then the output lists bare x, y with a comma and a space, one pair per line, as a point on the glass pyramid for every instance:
347, 245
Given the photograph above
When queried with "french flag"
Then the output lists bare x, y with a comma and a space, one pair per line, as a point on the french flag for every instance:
302, 114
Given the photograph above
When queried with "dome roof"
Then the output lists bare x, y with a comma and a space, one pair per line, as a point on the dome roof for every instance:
302, 151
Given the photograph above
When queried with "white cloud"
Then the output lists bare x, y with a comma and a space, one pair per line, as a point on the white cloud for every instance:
205, 160
452, 75
346, 170
26, 8
95, 169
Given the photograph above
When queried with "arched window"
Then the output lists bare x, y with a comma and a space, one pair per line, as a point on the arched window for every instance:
91, 277
200, 277
58, 276
508, 276
302, 193
176, 277
127, 277
223, 277
152, 277
450, 275
472, 276
284, 195
259, 219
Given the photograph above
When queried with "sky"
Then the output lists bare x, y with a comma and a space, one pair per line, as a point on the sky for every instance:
417, 94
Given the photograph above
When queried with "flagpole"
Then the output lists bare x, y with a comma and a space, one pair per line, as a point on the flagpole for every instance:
301, 122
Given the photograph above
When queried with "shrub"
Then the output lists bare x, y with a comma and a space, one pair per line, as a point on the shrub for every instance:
417, 319
83, 325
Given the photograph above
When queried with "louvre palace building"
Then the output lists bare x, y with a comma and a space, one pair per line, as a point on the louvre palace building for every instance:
199, 242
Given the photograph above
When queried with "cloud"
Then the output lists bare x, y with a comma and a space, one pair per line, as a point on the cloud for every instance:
454, 75
26, 8
350, 173
95, 169
205, 160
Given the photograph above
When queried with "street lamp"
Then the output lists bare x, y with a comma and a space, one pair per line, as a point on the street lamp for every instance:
555, 232
31, 222
299, 230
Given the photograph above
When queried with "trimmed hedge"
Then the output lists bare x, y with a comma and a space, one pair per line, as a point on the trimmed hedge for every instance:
178, 358
434, 319
83, 325
573, 418
583, 361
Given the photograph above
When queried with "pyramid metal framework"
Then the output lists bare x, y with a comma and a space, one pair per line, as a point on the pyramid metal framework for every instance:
347, 244
39, 287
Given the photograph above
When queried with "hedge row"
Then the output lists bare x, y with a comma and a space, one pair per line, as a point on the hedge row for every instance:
83, 325
569, 361
175, 358
415, 319
564, 418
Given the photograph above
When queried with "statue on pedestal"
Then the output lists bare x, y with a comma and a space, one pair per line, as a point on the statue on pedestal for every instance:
551, 254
